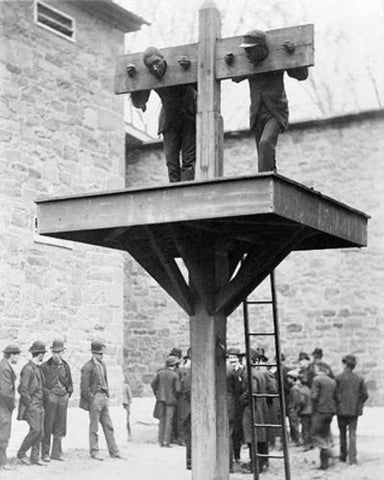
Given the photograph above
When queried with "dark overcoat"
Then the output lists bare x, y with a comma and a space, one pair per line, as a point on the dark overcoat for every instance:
30, 389
90, 383
351, 393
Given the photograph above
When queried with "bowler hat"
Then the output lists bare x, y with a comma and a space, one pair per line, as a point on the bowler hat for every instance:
252, 38
176, 352
350, 360
303, 356
171, 361
258, 354
37, 347
233, 351
12, 348
57, 345
97, 346
317, 352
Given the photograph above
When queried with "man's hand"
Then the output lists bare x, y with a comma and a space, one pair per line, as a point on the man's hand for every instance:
131, 70
229, 58
289, 47
184, 62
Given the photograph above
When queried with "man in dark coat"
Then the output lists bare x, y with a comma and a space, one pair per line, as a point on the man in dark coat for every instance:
185, 406
94, 397
351, 394
323, 394
31, 407
261, 384
177, 121
317, 357
166, 388
235, 388
269, 104
58, 387
7, 398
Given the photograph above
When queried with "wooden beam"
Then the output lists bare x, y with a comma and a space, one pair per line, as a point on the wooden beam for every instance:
256, 267
209, 124
164, 273
278, 59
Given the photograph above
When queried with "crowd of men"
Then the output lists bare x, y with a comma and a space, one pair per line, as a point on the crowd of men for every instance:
313, 396
45, 388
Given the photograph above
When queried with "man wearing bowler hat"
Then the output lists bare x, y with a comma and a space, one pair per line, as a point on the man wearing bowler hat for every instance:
351, 394
58, 387
94, 393
269, 104
7, 398
31, 407
166, 387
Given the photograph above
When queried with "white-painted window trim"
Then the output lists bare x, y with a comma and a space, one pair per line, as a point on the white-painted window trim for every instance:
53, 242
51, 29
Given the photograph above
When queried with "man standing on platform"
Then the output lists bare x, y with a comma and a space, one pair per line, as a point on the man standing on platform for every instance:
31, 407
324, 407
269, 104
7, 398
166, 388
94, 393
351, 393
58, 387
177, 121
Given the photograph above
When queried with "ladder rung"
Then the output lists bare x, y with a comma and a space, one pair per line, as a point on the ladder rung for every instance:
268, 425
258, 302
264, 455
261, 333
265, 395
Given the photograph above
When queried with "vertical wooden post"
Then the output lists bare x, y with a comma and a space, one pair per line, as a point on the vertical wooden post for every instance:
210, 436
209, 161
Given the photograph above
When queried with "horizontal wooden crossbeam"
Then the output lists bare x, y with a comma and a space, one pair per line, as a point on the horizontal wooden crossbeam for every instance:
278, 59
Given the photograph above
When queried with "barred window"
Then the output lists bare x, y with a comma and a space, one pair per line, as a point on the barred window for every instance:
55, 21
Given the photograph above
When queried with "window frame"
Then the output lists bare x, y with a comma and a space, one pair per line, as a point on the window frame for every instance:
51, 29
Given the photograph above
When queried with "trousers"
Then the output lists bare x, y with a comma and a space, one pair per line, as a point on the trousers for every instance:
55, 424
5, 432
347, 424
176, 141
165, 423
306, 430
34, 416
99, 413
266, 131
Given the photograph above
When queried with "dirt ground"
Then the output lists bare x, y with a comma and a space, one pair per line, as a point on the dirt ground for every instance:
145, 460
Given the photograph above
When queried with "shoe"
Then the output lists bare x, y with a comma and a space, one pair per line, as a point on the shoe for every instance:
45, 459
37, 463
23, 460
117, 455
7, 468
97, 457
167, 445
60, 459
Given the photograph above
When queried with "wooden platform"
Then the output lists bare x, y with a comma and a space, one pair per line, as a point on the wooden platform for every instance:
264, 217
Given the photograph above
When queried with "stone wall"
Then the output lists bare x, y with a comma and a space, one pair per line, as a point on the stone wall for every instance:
61, 132
330, 299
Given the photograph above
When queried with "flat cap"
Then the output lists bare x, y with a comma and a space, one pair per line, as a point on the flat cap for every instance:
97, 346
253, 37
350, 360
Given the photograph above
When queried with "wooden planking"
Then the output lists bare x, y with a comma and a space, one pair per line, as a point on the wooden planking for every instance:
226, 198
278, 59
314, 210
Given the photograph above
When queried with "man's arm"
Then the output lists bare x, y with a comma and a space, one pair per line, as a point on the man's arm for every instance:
300, 73
25, 378
85, 381
140, 99
6, 391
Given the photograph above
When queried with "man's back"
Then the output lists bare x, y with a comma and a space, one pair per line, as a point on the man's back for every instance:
351, 394
166, 386
324, 394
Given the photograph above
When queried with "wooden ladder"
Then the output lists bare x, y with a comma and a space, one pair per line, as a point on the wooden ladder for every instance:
257, 456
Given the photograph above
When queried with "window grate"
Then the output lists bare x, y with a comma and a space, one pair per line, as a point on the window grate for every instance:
54, 21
